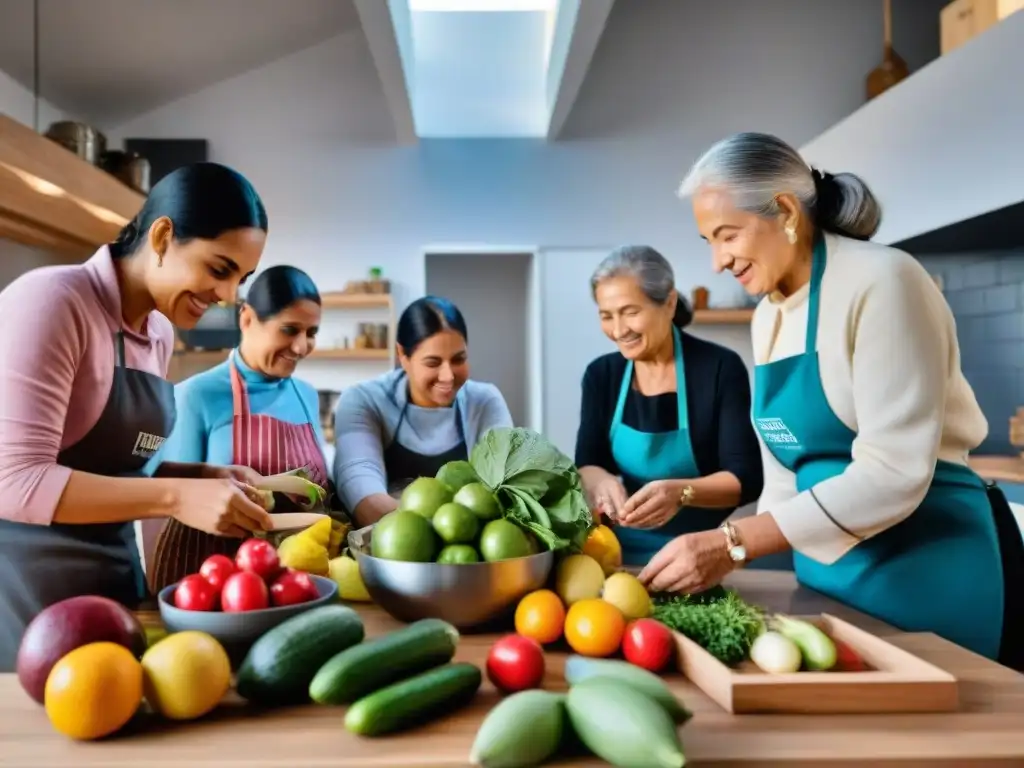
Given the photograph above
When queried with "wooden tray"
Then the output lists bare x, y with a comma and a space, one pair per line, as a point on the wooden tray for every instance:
897, 681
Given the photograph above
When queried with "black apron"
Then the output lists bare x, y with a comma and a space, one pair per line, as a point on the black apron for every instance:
402, 466
41, 565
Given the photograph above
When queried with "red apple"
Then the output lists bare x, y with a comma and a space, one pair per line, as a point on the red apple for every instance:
258, 556
216, 569
194, 593
244, 591
515, 663
293, 587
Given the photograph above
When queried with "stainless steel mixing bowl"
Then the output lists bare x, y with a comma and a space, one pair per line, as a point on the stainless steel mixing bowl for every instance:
463, 595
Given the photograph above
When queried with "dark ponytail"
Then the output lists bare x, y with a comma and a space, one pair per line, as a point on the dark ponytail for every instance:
203, 201
426, 317
845, 205
277, 288
683, 315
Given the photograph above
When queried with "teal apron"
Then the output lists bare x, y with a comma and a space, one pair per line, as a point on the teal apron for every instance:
940, 570
643, 457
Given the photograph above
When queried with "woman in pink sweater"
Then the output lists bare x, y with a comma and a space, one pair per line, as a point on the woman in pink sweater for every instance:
84, 400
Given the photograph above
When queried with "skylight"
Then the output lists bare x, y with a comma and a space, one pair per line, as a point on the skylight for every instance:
482, 5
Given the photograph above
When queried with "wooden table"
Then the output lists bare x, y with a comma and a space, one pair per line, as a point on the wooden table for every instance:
989, 729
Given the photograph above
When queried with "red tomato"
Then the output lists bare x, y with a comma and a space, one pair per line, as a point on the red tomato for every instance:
244, 591
292, 588
258, 556
216, 569
515, 663
194, 593
649, 644
847, 659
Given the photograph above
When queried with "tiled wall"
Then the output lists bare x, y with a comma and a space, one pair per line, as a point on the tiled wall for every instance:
986, 294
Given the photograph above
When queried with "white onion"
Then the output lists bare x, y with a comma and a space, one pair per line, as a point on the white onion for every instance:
775, 653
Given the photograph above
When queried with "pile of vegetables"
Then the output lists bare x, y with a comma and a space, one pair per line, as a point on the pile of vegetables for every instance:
537, 486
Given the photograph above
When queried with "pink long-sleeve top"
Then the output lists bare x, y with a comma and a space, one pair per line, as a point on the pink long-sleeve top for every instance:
57, 358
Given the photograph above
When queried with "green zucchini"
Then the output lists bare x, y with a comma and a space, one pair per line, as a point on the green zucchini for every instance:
579, 668
279, 666
623, 725
413, 701
367, 667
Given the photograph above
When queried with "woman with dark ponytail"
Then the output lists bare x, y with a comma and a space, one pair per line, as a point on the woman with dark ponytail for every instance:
665, 444
249, 411
86, 403
864, 416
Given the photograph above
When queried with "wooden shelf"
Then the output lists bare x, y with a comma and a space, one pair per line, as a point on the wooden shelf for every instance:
50, 198
355, 300
723, 316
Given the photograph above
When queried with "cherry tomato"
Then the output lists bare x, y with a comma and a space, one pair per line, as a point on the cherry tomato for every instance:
258, 556
847, 659
649, 644
515, 663
216, 569
194, 593
244, 591
292, 587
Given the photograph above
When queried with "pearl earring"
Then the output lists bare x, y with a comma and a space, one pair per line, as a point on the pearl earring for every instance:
791, 234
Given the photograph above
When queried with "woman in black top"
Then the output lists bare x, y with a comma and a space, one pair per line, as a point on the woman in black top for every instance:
665, 445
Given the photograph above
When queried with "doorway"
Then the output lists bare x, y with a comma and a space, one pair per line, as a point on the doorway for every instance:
497, 292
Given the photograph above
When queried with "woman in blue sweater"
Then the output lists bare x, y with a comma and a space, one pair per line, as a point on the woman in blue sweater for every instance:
250, 410
409, 422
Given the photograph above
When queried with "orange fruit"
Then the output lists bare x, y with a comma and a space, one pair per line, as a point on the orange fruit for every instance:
594, 627
604, 546
93, 691
541, 616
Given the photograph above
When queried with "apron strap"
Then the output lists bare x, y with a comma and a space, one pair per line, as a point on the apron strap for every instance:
119, 356
620, 405
239, 394
814, 301
681, 399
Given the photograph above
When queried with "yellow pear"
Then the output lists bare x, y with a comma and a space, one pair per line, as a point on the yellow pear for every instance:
604, 546
579, 577
345, 572
625, 592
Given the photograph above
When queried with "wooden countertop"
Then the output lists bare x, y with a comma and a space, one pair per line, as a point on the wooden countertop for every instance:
1008, 469
986, 730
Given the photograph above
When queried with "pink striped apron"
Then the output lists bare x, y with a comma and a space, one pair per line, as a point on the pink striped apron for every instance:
261, 442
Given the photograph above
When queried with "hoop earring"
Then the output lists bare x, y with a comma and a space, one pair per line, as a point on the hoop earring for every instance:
791, 234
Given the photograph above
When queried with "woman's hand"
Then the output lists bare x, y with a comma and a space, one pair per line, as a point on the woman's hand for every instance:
609, 496
652, 506
222, 507
242, 474
691, 563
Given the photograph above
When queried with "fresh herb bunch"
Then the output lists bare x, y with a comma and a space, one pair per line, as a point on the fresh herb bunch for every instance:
719, 621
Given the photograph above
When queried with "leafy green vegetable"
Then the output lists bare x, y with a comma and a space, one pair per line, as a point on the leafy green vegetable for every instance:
720, 622
537, 485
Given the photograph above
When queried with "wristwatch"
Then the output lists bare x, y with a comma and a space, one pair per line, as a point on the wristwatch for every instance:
737, 552
686, 496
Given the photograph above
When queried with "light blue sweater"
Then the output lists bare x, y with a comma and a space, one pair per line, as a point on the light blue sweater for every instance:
203, 428
367, 415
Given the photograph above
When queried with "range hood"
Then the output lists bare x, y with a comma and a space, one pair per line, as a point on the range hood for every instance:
52, 199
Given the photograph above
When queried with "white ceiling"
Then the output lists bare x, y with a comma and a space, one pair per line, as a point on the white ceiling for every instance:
109, 60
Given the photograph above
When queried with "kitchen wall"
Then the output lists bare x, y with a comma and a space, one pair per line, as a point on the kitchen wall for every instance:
986, 293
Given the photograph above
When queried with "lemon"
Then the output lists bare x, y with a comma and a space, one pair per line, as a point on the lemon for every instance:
579, 577
345, 572
185, 675
625, 592
319, 532
304, 553
603, 546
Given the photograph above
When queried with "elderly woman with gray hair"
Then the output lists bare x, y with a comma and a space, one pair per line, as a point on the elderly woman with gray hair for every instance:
665, 444
864, 416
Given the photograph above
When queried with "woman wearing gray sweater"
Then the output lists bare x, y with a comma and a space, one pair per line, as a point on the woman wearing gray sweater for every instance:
408, 422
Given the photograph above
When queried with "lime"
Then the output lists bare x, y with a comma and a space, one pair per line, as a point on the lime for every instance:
503, 540
404, 535
458, 554
455, 524
424, 496
478, 498
456, 474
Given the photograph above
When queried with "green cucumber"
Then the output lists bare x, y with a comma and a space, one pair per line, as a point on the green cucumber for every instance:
415, 700
818, 650
279, 666
367, 667
522, 730
623, 725
580, 668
